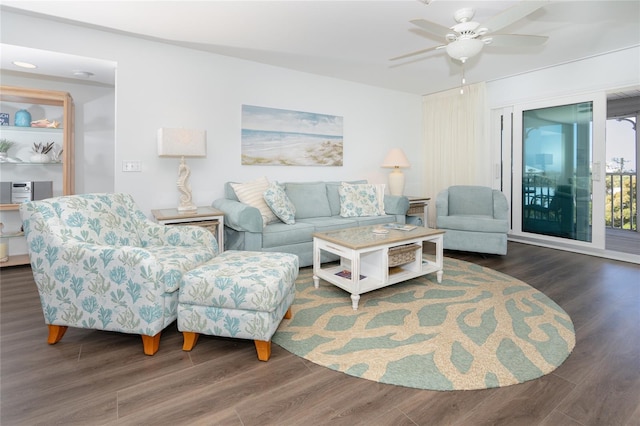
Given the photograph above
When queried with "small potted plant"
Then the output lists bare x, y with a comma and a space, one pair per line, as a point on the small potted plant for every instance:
41, 152
5, 145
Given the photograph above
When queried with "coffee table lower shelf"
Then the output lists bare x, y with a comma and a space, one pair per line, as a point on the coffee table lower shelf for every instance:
365, 267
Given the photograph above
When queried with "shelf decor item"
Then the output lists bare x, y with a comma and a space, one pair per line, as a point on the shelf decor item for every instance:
56, 156
41, 152
5, 145
23, 118
45, 123
4, 119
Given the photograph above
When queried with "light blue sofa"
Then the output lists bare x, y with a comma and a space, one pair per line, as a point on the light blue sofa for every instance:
317, 207
474, 218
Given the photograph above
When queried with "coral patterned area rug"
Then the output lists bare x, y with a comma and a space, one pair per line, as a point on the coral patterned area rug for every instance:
478, 329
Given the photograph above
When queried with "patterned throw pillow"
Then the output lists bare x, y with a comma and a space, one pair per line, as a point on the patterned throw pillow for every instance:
277, 200
250, 193
361, 200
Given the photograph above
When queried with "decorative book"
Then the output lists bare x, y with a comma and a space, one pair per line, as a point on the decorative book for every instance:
347, 274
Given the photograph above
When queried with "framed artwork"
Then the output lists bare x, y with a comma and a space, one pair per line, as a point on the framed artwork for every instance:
280, 137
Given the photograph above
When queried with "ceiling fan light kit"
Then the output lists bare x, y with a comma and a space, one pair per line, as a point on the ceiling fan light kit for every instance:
466, 39
464, 48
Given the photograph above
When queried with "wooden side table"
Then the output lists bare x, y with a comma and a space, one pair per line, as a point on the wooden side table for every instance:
206, 217
419, 206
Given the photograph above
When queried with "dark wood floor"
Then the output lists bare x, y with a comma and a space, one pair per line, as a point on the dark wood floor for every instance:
95, 378
622, 240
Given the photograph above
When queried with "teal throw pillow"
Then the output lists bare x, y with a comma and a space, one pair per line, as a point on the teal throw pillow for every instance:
279, 203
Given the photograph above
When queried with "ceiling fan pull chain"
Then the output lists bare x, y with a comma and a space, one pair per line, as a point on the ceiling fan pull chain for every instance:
463, 81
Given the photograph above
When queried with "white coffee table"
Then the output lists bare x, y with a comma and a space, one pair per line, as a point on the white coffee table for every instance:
364, 258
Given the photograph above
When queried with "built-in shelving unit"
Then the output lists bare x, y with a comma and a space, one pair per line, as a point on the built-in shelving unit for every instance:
42, 104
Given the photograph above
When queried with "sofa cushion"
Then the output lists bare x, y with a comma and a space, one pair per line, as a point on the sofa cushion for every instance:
359, 200
251, 193
279, 203
326, 224
309, 198
278, 234
334, 197
478, 223
470, 200
241, 280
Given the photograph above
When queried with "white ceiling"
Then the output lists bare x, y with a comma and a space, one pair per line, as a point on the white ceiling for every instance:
350, 40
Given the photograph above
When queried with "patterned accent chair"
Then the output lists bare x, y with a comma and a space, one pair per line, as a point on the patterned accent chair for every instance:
99, 263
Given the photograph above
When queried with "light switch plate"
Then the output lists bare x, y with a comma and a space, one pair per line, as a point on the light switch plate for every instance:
132, 166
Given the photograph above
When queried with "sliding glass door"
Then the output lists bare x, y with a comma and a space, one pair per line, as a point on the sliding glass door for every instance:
556, 158
557, 153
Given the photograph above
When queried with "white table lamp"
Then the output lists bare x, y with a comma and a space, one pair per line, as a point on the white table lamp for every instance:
183, 143
396, 160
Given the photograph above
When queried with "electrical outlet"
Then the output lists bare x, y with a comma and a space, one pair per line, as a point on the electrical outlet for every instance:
132, 166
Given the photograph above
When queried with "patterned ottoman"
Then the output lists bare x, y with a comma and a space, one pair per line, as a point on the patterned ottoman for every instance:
241, 294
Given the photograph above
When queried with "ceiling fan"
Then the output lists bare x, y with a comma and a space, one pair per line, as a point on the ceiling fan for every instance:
467, 38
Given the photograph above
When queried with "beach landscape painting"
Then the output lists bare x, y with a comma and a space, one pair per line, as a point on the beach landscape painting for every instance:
280, 137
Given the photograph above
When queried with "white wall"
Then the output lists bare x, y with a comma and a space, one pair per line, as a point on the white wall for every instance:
160, 85
615, 70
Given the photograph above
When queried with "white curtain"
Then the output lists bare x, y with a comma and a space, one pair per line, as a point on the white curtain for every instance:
454, 132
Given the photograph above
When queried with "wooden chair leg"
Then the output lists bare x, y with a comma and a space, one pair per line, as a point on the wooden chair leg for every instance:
150, 343
288, 315
189, 340
264, 349
55, 333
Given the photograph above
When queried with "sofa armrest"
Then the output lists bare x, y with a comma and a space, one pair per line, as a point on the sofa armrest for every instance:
396, 204
500, 205
239, 216
442, 203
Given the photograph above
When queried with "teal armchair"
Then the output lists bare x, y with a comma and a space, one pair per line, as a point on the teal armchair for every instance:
475, 219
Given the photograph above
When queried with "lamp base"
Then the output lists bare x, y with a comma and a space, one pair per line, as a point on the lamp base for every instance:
188, 208
183, 186
396, 182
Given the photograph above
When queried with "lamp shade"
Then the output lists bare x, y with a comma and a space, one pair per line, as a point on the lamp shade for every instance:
395, 159
182, 143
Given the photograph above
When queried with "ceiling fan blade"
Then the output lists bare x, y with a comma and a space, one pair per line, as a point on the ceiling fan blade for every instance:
511, 15
431, 27
419, 52
514, 40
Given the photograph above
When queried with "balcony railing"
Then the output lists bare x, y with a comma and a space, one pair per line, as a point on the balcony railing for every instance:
622, 203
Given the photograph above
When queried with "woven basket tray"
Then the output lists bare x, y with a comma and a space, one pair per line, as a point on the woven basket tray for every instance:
400, 255
415, 209
209, 225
